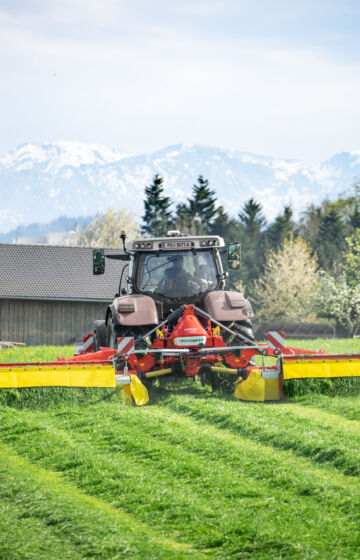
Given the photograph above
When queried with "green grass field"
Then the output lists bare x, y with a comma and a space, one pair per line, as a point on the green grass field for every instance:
195, 475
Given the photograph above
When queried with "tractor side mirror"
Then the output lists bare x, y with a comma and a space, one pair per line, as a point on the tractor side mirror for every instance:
98, 261
234, 255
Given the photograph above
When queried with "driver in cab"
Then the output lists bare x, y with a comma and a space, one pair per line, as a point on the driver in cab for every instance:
176, 278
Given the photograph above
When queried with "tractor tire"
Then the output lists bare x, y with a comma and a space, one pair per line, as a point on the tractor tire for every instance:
242, 327
114, 331
245, 329
100, 335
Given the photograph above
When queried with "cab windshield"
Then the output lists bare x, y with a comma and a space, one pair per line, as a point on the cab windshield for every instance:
177, 274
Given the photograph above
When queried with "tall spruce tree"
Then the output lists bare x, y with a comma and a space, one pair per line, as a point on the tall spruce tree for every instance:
197, 215
330, 240
157, 219
252, 216
228, 228
252, 237
183, 220
223, 225
202, 206
281, 229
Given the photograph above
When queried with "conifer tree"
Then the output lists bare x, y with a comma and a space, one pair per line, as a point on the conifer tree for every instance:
197, 215
251, 233
252, 216
228, 228
202, 204
157, 219
330, 241
280, 229
223, 225
184, 221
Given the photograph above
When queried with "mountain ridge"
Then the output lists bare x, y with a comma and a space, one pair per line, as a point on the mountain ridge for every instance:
41, 182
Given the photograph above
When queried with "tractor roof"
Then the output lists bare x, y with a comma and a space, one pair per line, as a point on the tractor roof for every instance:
176, 241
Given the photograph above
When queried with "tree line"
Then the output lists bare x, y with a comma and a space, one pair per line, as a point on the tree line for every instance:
324, 227
299, 269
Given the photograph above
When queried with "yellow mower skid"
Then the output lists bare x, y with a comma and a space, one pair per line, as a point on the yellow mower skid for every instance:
139, 391
258, 388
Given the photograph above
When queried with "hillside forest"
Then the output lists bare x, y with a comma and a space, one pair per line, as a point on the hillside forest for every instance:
305, 269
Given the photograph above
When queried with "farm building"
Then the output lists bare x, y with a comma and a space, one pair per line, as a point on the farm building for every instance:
48, 294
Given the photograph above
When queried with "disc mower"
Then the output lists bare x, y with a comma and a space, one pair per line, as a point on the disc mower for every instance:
174, 319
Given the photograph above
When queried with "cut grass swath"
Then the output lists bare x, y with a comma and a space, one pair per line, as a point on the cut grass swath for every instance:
195, 475
218, 491
43, 516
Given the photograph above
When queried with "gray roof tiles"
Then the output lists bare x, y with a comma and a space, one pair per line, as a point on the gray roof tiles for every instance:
56, 273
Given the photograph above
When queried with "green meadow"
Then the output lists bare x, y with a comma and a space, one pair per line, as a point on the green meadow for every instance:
194, 475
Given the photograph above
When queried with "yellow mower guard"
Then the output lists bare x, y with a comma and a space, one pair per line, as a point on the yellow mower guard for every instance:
57, 376
306, 369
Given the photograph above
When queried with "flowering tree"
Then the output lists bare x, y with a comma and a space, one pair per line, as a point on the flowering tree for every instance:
104, 231
339, 297
286, 288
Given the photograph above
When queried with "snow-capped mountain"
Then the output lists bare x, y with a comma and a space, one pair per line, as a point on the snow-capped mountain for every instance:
39, 183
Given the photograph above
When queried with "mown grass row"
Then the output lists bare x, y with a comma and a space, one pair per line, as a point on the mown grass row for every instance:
207, 484
304, 428
43, 517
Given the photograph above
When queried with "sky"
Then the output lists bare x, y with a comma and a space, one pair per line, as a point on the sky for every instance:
277, 78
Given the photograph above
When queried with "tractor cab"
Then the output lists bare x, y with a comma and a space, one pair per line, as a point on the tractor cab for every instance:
177, 274
176, 268
173, 267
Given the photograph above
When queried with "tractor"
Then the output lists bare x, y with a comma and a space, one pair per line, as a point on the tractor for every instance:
165, 273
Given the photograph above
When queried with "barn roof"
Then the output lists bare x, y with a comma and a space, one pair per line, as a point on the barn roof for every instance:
56, 273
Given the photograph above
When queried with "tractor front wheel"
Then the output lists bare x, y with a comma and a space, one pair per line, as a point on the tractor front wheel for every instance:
112, 333
100, 335
244, 328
